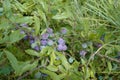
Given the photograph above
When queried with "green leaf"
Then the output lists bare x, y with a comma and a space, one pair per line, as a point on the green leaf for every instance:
7, 10
64, 61
61, 16
53, 75
16, 36
52, 58
52, 68
1, 54
5, 70
32, 52
5, 39
27, 66
21, 7
37, 25
25, 19
109, 66
13, 60
42, 15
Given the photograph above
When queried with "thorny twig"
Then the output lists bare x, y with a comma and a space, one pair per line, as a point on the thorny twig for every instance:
107, 57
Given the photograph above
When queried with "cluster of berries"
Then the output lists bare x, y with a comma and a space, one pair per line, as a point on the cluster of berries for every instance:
47, 39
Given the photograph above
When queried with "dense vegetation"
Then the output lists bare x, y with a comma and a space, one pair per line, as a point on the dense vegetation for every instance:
60, 39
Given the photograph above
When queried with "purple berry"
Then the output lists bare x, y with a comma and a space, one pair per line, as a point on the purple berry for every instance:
31, 37
45, 36
49, 30
25, 38
61, 41
43, 42
24, 25
32, 41
64, 47
99, 45
83, 53
50, 42
36, 48
22, 32
63, 30
61, 47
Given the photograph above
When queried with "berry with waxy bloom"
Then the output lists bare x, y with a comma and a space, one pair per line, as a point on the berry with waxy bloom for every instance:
64, 47
32, 41
22, 32
49, 30
61, 47
63, 30
45, 36
24, 25
26, 37
50, 42
36, 48
43, 42
61, 41
83, 53
84, 45
99, 45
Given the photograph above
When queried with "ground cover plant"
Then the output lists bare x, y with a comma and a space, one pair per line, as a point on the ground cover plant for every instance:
59, 39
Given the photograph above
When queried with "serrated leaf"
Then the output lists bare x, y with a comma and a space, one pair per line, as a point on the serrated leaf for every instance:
32, 52
37, 25
21, 7
5, 70
27, 66
52, 58
16, 36
52, 68
7, 10
109, 66
53, 75
1, 54
27, 19
42, 15
64, 61
61, 16
13, 60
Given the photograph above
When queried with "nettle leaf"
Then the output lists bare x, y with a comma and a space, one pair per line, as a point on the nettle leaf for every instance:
16, 36
21, 7
13, 60
32, 52
52, 68
61, 16
1, 53
37, 25
27, 19
109, 66
5, 25
52, 58
26, 66
42, 15
7, 10
53, 75
64, 61
6, 70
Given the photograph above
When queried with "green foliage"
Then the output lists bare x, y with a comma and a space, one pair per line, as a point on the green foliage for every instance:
93, 28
